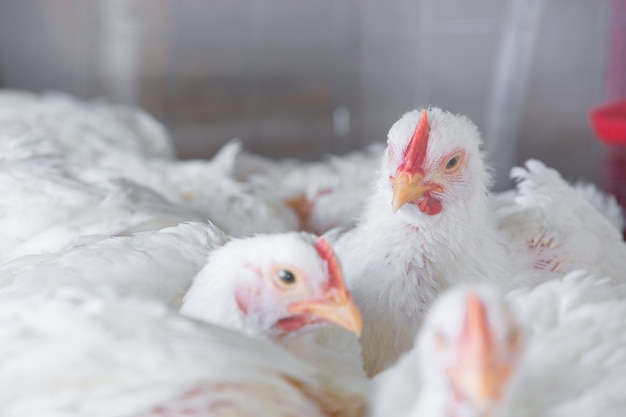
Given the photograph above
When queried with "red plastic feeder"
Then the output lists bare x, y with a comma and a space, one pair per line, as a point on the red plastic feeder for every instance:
609, 124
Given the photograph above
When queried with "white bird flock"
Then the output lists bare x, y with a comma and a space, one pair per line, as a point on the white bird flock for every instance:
388, 282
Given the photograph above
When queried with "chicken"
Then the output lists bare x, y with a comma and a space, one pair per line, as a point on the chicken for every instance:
76, 353
81, 132
227, 275
604, 203
324, 194
208, 187
560, 224
226, 289
153, 264
279, 274
557, 350
47, 205
427, 221
126, 144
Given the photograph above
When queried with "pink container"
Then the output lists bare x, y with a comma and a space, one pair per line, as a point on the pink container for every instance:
609, 124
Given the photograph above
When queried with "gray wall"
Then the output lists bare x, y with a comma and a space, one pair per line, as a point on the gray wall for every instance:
303, 78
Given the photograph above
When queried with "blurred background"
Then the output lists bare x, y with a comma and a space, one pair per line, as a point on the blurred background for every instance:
305, 78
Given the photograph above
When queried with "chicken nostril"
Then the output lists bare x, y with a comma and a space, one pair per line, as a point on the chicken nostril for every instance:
333, 296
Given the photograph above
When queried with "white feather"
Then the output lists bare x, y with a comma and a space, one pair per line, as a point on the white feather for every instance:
156, 264
81, 132
47, 205
561, 225
72, 354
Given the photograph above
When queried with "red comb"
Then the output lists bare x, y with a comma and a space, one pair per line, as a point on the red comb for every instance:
415, 153
335, 279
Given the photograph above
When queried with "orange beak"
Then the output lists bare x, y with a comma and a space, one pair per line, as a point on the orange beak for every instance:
478, 375
409, 187
337, 308
301, 206
408, 184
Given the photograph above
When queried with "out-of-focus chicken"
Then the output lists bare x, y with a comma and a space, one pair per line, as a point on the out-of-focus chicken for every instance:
563, 227
72, 353
154, 264
324, 194
80, 131
47, 205
556, 350
208, 187
126, 143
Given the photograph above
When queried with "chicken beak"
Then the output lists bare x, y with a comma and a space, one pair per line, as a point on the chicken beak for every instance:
483, 386
478, 375
301, 206
409, 187
337, 308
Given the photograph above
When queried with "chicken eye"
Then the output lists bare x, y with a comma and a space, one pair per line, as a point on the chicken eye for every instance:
452, 163
286, 276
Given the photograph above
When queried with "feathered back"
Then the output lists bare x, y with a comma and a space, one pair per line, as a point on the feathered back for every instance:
80, 131
561, 226
70, 353
156, 264
48, 204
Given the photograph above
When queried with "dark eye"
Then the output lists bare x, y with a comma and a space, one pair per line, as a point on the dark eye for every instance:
286, 276
452, 162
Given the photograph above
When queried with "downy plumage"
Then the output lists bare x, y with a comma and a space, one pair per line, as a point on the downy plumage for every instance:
426, 226
76, 353
564, 227
554, 350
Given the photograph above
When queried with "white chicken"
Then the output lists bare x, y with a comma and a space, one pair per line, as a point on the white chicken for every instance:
47, 205
153, 264
324, 194
427, 223
126, 143
560, 224
71, 353
605, 203
82, 132
208, 187
266, 286
276, 275
272, 272
555, 350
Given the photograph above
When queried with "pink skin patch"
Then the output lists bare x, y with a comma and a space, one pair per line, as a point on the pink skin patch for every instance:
291, 324
245, 297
